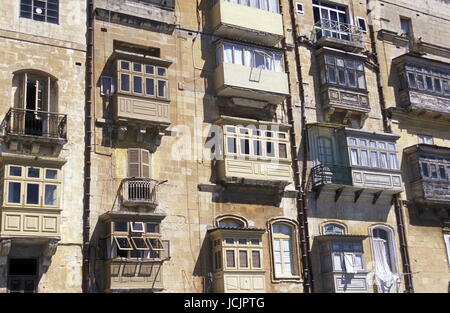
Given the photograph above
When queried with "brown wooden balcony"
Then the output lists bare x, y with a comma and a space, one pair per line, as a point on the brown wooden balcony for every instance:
140, 192
35, 125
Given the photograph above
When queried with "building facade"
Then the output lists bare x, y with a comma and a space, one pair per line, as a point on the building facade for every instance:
42, 107
245, 146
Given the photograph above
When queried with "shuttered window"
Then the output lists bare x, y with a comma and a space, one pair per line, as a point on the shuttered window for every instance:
138, 163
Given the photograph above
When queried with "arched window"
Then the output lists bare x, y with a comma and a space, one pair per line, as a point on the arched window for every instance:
325, 150
333, 229
384, 259
283, 249
231, 221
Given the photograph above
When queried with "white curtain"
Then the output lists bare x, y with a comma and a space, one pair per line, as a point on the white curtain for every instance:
238, 56
385, 279
264, 5
228, 54
349, 263
254, 3
278, 63
273, 6
248, 58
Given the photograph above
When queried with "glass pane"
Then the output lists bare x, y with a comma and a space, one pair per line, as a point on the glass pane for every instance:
257, 147
331, 75
420, 82
259, 60
34, 172
15, 171
354, 157
162, 86
238, 56
161, 71
433, 171
50, 195
32, 193
394, 161
374, 159
230, 258
282, 150
121, 226
437, 85
351, 79
256, 259
245, 146
243, 260
51, 174
231, 143
150, 69
384, 160
137, 67
14, 192
429, 82
125, 65
337, 261
125, 82
137, 84
365, 158
270, 149
152, 228
442, 173
361, 81
412, 80
425, 171
123, 243
150, 86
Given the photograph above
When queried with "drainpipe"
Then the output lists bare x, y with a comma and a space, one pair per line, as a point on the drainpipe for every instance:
396, 200
300, 182
87, 142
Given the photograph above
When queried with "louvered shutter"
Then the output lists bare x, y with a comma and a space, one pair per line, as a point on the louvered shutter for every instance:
133, 163
145, 164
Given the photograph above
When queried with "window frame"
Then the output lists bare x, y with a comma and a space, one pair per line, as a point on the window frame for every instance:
370, 152
293, 250
357, 70
22, 13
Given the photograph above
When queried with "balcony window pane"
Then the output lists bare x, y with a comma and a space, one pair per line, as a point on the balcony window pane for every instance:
363, 142
243, 260
245, 146
162, 88
394, 161
228, 53
384, 159
420, 82
50, 195
137, 67
256, 259
32, 193
150, 69
342, 78
391, 146
374, 159
278, 63
230, 258
257, 147
34, 172
137, 84
373, 144
351, 79
152, 228
121, 226
359, 66
329, 59
446, 87
429, 82
350, 64
125, 82
150, 86
412, 80
425, 171
331, 75
15, 171
340, 62
125, 65
354, 157
231, 145
282, 150
365, 158
433, 171
270, 149
442, 173
382, 145
238, 56
264, 5
361, 81
248, 58
14, 192
437, 85
259, 60
161, 71
269, 62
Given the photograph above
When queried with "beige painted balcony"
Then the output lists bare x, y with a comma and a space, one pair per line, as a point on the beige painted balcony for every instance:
234, 80
37, 223
232, 20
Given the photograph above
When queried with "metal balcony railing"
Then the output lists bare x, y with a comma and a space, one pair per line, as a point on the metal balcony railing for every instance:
326, 174
140, 191
335, 29
35, 123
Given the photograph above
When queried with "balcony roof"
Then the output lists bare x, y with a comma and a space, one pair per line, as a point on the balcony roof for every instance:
427, 148
223, 119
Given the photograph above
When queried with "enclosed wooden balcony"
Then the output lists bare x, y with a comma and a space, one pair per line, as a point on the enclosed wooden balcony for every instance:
329, 33
232, 20
234, 80
429, 167
30, 223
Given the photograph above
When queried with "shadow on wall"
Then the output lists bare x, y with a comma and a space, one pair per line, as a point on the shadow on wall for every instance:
204, 265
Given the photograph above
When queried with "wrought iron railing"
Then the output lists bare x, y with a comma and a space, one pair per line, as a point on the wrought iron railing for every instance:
140, 191
335, 29
324, 174
35, 123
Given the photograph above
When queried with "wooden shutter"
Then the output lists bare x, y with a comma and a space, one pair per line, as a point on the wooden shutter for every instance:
145, 164
133, 163
22, 91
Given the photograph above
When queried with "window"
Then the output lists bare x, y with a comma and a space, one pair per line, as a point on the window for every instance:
231, 223
434, 167
378, 154
143, 80
330, 20
384, 258
361, 23
425, 139
266, 5
31, 186
250, 56
106, 86
325, 150
342, 71
430, 79
333, 229
283, 250
138, 163
299, 8
255, 143
405, 24
40, 10
347, 256
137, 227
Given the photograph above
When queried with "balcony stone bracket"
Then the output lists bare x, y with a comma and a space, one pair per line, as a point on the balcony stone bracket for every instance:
348, 117
32, 146
49, 251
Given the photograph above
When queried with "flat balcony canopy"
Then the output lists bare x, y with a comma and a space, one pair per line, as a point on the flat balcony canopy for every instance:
232, 20
338, 35
234, 80
35, 126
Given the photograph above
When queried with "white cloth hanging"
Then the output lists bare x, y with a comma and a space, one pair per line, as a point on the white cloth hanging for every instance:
349, 263
385, 279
